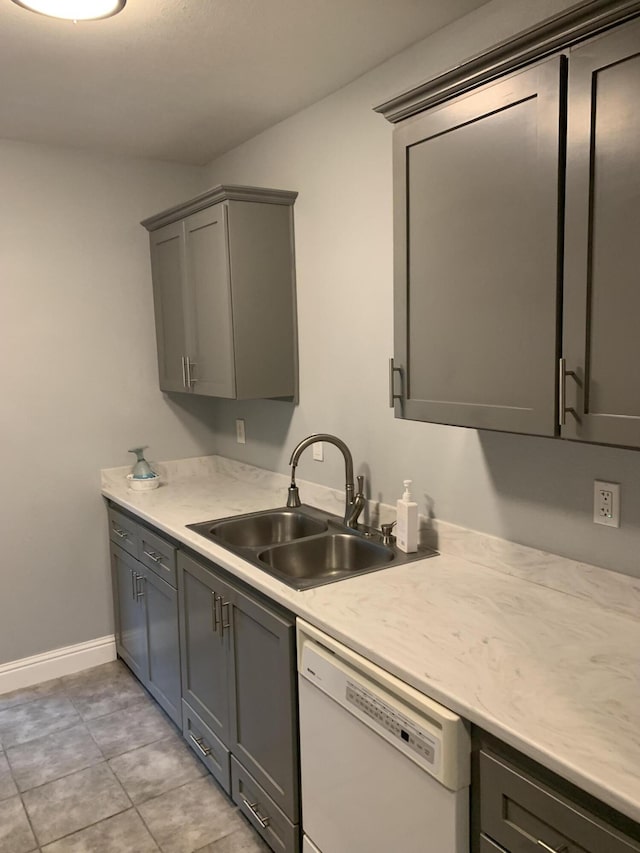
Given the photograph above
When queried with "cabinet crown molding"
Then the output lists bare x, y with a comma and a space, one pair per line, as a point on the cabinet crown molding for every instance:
558, 33
223, 192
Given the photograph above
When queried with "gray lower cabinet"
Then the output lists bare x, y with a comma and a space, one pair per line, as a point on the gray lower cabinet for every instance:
146, 610
273, 825
239, 692
224, 294
602, 250
520, 814
130, 616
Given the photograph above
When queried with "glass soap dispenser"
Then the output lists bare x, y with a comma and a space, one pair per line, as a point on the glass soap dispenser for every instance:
141, 470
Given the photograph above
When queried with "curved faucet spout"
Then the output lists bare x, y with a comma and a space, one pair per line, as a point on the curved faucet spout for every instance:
353, 503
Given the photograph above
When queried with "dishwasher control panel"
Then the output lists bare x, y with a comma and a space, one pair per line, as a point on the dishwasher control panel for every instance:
401, 727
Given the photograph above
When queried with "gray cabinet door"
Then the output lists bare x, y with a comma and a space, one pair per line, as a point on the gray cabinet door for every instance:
130, 616
477, 223
169, 282
161, 612
205, 645
209, 320
602, 249
263, 699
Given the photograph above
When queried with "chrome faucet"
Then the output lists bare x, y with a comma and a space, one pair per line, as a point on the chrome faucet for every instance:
354, 503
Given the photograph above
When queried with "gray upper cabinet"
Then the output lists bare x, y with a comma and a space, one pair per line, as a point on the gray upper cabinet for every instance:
168, 273
224, 294
602, 251
516, 250
477, 235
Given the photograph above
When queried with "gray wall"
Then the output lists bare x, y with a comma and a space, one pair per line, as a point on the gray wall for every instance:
337, 154
78, 377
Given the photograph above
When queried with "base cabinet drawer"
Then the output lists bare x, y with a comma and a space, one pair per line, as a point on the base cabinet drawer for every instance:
524, 816
211, 751
124, 532
272, 824
158, 555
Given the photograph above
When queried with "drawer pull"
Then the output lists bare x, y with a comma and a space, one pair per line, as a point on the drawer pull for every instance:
253, 808
205, 750
120, 533
546, 847
153, 556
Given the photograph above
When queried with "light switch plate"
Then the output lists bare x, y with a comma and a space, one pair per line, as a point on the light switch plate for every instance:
318, 451
606, 503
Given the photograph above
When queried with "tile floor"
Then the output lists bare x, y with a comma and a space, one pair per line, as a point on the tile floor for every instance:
90, 764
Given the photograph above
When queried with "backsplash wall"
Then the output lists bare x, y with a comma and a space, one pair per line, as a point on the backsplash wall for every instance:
337, 155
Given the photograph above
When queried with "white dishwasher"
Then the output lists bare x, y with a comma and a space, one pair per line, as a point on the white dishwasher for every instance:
384, 767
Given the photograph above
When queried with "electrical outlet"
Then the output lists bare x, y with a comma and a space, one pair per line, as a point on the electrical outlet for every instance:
318, 451
240, 436
606, 503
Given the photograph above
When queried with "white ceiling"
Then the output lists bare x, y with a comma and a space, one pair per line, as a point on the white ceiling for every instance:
186, 80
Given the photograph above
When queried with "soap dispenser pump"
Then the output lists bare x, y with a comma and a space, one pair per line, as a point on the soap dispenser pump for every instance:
407, 526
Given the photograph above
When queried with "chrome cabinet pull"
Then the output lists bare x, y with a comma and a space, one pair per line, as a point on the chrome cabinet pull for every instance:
253, 808
190, 379
562, 393
205, 750
120, 533
392, 394
214, 612
546, 847
140, 588
153, 556
184, 373
133, 584
224, 625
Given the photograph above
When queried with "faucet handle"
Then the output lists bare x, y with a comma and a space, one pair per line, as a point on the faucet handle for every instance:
360, 480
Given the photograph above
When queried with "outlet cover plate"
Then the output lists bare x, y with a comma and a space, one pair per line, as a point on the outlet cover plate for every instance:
240, 434
606, 503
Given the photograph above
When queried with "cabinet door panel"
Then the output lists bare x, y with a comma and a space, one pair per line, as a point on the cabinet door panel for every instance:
263, 721
205, 650
477, 220
210, 320
131, 630
161, 602
168, 270
602, 287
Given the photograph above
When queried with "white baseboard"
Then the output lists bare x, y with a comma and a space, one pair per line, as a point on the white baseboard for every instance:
58, 662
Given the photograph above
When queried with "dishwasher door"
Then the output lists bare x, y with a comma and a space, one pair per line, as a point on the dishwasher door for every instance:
374, 753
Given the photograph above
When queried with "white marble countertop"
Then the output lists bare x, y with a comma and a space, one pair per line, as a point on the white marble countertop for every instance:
540, 651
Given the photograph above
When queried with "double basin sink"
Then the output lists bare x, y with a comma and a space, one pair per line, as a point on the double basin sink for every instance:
304, 547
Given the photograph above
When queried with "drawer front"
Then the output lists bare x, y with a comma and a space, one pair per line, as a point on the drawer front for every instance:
124, 532
211, 751
524, 816
158, 555
489, 846
263, 814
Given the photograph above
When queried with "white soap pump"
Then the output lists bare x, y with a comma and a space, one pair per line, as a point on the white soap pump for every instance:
407, 526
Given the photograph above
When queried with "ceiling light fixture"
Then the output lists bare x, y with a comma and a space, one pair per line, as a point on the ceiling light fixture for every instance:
74, 10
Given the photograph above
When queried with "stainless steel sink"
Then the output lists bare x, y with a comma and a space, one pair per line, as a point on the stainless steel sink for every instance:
304, 547
268, 528
326, 557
